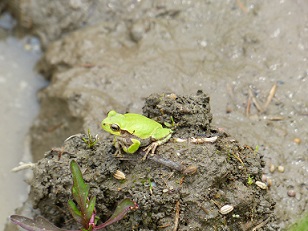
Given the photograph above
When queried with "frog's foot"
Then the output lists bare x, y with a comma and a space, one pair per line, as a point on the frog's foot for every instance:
118, 153
150, 148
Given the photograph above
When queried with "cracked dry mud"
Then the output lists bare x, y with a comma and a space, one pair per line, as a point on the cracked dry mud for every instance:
223, 168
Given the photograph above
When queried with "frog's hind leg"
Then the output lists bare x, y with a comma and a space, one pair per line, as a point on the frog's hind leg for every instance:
152, 147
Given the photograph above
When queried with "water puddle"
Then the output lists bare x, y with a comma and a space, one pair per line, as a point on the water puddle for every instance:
19, 83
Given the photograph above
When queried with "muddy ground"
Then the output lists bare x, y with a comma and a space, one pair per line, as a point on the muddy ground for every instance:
108, 55
200, 177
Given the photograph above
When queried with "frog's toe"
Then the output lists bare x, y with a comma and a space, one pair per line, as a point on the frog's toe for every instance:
150, 149
118, 153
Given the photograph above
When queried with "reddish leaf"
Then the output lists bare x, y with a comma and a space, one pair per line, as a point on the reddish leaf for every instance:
122, 209
36, 224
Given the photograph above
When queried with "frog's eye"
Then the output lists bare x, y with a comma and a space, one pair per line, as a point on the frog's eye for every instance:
115, 127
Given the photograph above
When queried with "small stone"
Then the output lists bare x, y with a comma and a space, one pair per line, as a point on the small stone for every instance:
190, 170
272, 168
297, 140
261, 185
264, 178
291, 193
280, 168
269, 182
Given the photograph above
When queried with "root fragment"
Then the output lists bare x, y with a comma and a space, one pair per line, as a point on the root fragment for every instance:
177, 216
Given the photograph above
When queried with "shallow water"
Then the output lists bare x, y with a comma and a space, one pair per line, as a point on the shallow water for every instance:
18, 86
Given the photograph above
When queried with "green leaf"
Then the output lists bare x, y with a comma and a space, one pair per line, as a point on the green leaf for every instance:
80, 191
122, 209
300, 225
74, 211
91, 207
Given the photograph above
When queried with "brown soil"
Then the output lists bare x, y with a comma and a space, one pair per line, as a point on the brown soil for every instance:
234, 51
223, 168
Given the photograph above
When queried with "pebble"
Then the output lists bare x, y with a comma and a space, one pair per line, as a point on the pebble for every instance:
272, 168
264, 178
261, 185
190, 170
269, 182
280, 168
291, 193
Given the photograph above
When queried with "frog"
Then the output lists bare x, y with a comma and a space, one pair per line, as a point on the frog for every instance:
133, 131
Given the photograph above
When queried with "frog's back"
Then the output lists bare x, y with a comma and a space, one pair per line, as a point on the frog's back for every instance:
140, 125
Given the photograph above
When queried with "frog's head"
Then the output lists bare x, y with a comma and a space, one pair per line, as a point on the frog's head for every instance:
112, 123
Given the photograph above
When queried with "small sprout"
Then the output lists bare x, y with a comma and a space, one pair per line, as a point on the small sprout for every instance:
152, 186
261, 185
170, 125
90, 141
119, 175
250, 180
226, 209
84, 208
256, 149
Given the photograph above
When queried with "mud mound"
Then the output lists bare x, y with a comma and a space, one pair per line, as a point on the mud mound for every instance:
185, 182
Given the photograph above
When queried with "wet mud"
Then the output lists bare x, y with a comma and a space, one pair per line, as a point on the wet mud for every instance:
220, 176
249, 57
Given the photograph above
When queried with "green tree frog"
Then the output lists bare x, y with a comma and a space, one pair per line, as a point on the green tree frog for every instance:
134, 130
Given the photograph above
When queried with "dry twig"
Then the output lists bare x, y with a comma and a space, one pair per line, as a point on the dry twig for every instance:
270, 97
255, 101
248, 106
177, 216
260, 225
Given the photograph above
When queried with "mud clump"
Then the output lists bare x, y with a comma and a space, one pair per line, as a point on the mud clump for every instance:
166, 196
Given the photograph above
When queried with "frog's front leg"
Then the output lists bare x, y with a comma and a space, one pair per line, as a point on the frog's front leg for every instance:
152, 147
135, 144
119, 147
128, 144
